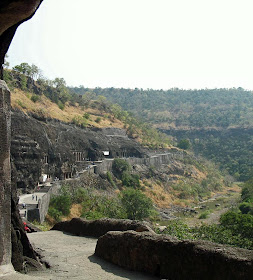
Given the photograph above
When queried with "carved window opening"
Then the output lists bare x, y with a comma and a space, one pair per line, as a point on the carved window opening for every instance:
78, 156
45, 160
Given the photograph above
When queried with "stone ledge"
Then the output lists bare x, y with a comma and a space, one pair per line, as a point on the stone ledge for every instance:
96, 228
173, 259
6, 270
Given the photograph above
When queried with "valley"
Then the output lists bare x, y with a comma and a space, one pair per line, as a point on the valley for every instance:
125, 183
83, 156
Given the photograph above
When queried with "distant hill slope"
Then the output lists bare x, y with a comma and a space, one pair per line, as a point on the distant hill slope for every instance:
176, 108
218, 122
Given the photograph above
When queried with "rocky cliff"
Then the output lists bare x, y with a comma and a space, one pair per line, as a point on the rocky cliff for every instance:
12, 14
55, 149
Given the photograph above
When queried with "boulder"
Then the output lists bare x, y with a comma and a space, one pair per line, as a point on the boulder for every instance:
96, 228
173, 259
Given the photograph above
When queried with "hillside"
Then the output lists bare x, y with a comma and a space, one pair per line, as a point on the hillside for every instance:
48, 99
176, 108
58, 130
109, 163
218, 122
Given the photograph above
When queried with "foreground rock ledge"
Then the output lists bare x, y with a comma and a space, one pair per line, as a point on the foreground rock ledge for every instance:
172, 259
96, 228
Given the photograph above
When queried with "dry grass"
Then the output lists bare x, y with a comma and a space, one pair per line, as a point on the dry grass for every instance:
45, 107
75, 212
159, 195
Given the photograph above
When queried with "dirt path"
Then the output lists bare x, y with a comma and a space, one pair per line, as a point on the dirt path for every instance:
71, 257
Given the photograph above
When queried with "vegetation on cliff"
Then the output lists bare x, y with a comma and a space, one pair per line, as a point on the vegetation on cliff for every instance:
53, 99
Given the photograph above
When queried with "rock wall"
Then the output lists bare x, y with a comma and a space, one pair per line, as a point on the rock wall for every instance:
12, 14
172, 259
5, 180
46, 146
154, 160
39, 213
96, 228
14, 244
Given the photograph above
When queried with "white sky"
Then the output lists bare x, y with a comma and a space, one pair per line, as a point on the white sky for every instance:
140, 43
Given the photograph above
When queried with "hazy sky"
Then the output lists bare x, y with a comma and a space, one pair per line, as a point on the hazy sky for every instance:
140, 43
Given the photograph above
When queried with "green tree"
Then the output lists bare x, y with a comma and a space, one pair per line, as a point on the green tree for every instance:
184, 144
136, 204
35, 72
61, 203
61, 89
119, 166
240, 224
23, 68
246, 207
247, 191
130, 180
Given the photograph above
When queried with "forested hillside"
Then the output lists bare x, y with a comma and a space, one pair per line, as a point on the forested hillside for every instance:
218, 122
215, 108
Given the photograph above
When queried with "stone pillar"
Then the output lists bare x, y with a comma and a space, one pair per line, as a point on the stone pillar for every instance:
5, 180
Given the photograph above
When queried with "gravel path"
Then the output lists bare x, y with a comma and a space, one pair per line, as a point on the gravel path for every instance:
71, 257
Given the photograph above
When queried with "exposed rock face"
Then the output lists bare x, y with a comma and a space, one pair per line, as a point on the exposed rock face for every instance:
45, 146
5, 178
12, 13
12, 229
96, 228
172, 259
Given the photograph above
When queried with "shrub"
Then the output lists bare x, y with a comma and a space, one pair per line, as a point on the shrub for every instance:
98, 120
110, 179
130, 180
246, 208
240, 224
178, 229
184, 144
78, 120
62, 203
100, 206
204, 215
34, 98
61, 105
80, 195
119, 166
136, 204
86, 116
247, 191
54, 213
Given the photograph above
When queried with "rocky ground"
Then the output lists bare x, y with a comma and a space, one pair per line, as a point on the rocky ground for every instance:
217, 205
72, 257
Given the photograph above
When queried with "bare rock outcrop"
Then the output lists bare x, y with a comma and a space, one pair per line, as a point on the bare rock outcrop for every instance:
96, 228
12, 14
173, 259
